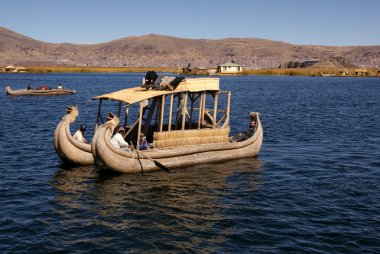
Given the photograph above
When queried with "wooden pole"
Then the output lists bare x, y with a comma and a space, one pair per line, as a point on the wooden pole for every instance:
192, 99
228, 107
184, 110
139, 128
150, 115
170, 112
98, 116
215, 109
177, 113
203, 108
162, 112
133, 126
119, 110
200, 111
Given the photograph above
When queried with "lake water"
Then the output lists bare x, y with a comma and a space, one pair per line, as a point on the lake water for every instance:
314, 187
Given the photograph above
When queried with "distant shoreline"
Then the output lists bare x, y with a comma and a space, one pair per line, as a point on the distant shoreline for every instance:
315, 72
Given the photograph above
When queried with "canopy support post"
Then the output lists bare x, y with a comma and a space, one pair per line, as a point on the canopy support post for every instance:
170, 112
177, 113
203, 108
150, 115
192, 99
162, 112
119, 110
200, 110
228, 109
184, 111
139, 128
215, 109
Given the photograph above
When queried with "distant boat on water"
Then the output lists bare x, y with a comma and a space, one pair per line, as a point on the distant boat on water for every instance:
327, 74
35, 91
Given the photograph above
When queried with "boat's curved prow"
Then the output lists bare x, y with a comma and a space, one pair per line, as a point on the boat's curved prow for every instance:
98, 142
39, 92
68, 149
259, 134
8, 90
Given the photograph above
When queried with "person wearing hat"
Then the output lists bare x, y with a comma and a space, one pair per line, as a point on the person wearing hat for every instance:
118, 140
79, 135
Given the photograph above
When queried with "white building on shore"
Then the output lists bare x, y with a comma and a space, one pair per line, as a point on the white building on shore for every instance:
229, 68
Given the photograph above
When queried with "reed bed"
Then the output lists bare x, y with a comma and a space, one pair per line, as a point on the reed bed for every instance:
372, 72
289, 72
78, 69
177, 138
306, 71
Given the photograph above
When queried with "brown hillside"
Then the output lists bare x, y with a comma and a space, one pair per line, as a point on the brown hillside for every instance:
166, 51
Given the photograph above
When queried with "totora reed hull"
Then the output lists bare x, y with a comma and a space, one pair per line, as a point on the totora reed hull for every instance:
109, 157
68, 149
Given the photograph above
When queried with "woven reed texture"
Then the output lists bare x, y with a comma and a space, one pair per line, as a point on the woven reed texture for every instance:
190, 137
136, 94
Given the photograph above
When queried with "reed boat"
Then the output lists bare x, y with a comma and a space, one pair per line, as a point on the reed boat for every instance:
39, 92
327, 74
69, 150
185, 126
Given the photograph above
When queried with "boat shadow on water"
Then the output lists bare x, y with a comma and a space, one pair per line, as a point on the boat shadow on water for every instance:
178, 189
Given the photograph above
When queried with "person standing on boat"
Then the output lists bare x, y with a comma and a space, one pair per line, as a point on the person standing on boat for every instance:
79, 135
118, 141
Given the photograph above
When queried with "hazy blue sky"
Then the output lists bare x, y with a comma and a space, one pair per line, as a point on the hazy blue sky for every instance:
317, 22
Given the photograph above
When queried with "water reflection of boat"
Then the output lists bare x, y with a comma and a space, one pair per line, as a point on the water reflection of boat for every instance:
190, 140
68, 149
183, 195
39, 92
186, 191
72, 183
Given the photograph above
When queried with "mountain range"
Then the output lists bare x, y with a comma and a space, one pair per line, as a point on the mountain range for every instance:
154, 50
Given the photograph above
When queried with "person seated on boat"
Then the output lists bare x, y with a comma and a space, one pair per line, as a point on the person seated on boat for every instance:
150, 78
118, 140
59, 86
79, 135
143, 144
45, 87
29, 87
247, 133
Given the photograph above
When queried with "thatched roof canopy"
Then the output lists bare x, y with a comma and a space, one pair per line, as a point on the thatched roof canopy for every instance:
137, 94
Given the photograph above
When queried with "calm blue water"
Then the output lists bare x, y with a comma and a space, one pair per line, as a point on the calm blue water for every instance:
314, 188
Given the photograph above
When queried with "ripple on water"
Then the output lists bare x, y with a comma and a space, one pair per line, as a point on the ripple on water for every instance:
312, 189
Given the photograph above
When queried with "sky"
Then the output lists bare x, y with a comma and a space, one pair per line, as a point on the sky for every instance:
301, 22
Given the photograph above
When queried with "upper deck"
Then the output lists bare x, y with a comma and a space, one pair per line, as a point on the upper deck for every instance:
137, 94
